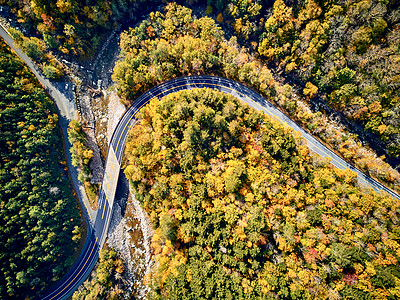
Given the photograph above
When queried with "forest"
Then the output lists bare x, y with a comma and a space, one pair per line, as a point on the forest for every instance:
76, 27
242, 210
40, 224
69, 26
106, 281
240, 207
175, 43
347, 52
344, 53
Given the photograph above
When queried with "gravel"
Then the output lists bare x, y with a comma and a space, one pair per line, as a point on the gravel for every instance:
115, 111
135, 254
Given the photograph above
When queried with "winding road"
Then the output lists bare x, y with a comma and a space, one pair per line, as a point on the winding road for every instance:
106, 199
101, 219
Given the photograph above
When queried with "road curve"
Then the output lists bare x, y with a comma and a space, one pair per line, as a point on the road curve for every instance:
89, 255
95, 241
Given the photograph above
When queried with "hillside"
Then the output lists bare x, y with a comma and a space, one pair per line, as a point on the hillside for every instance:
175, 43
344, 52
241, 209
40, 225
72, 27
340, 53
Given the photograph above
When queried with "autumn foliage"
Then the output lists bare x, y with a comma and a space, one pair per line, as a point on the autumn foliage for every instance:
242, 210
349, 51
175, 43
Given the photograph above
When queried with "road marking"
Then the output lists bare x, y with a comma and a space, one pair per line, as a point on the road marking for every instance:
116, 149
283, 122
325, 152
195, 85
76, 274
256, 103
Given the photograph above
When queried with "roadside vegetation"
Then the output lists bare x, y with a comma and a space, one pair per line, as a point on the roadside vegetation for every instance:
39, 217
105, 282
173, 44
69, 26
240, 207
74, 27
39, 52
245, 16
81, 157
242, 210
346, 52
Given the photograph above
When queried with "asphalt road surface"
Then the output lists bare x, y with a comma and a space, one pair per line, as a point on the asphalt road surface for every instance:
62, 95
106, 199
246, 95
99, 227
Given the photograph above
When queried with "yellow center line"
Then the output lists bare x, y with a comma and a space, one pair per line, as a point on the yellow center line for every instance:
277, 117
112, 166
133, 115
331, 157
76, 274
182, 85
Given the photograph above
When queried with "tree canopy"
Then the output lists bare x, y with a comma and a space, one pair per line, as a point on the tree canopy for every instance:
349, 51
72, 26
40, 225
105, 282
242, 209
176, 43
82, 156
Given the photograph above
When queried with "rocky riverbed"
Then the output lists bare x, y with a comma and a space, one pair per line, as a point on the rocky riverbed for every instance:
130, 235
89, 85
